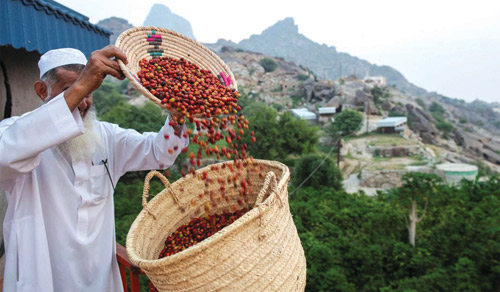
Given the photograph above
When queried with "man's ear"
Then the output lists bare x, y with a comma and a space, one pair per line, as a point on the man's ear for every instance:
41, 90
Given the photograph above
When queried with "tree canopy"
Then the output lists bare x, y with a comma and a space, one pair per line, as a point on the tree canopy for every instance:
277, 136
346, 123
327, 175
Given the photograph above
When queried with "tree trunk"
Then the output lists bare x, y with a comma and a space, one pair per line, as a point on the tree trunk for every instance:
412, 227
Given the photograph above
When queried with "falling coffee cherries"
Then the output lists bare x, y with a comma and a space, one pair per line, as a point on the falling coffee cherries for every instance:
202, 99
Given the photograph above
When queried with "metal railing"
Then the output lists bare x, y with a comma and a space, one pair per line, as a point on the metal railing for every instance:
133, 270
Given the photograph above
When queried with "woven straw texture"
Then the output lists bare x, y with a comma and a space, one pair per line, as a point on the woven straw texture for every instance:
261, 251
151, 42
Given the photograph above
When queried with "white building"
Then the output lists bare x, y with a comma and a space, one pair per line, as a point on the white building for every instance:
325, 114
304, 114
392, 125
376, 80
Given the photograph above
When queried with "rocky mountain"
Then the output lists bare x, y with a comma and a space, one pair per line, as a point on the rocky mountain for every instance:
161, 16
116, 25
283, 40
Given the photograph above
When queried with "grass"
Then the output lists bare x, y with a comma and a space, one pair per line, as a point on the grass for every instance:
390, 140
392, 163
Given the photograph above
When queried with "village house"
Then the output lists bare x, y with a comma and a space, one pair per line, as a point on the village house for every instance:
304, 114
392, 125
376, 80
325, 114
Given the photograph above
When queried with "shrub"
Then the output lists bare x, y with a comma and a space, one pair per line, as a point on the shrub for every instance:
420, 102
302, 77
268, 64
328, 175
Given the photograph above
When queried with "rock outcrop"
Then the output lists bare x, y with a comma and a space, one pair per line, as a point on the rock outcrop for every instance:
161, 16
423, 124
116, 25
478, 145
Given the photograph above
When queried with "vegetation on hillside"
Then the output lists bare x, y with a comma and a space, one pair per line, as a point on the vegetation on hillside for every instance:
352, 242
346, 123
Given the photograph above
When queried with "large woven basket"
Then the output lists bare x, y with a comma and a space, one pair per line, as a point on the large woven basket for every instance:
261, 251
152, 42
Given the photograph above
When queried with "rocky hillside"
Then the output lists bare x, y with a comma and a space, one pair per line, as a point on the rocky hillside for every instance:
283, 40
464, 131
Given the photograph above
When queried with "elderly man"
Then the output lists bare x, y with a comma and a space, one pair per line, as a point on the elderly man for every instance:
58, 166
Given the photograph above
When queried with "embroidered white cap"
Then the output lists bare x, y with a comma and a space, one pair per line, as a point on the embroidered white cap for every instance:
60, 57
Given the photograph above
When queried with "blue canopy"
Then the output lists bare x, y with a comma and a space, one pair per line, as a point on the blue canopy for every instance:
42, 25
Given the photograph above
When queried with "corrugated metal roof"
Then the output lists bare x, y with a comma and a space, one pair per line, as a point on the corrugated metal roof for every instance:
303, 113
42, 25
391, 122
326, 110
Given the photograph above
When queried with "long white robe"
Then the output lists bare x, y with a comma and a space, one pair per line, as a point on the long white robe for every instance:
59, 228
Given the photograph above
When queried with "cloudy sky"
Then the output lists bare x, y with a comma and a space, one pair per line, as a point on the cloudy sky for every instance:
451, 47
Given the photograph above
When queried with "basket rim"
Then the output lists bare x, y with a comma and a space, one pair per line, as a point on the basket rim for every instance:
247, 218
131, 76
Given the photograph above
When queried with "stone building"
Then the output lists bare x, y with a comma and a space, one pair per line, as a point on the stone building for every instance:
392, 125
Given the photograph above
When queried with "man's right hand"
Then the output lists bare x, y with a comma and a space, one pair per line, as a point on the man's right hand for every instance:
99, 65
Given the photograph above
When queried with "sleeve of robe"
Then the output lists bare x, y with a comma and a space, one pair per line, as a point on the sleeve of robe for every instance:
132, 151
23, 138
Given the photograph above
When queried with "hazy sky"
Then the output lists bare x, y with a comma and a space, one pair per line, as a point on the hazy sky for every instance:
452, 47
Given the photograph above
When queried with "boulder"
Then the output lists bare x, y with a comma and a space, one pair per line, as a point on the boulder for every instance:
423, 124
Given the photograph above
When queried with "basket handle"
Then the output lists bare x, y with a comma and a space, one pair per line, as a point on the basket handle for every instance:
145, 192
270, 178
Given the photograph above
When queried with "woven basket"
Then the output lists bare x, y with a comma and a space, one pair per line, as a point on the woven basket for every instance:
261, 251
152, 42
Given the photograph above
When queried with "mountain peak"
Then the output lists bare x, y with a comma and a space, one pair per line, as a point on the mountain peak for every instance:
285, 26
161, 16
161, 8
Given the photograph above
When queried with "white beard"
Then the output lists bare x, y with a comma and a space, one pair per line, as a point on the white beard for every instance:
82, 147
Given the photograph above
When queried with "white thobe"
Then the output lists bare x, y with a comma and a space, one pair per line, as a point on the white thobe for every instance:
59, 227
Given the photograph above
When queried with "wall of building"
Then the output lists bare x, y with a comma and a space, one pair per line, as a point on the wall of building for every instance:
384, 179
22, 73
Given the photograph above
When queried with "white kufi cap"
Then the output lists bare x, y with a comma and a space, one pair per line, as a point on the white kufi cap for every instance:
60, 57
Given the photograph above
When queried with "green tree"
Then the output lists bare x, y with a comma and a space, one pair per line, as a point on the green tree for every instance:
148, 118
106, 97
277, 138
417, 189
263, 121
328, 175
347, 122
268, 64
436, 108
353, 242
420, 102
298, 136
380, 94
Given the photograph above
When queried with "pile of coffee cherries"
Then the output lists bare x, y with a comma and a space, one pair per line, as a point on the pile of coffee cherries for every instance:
197, 230
184, 87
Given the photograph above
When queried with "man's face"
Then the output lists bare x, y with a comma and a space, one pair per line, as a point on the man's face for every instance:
66, 79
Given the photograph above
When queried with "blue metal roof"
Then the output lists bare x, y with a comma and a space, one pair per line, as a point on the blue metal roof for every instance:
42, 25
